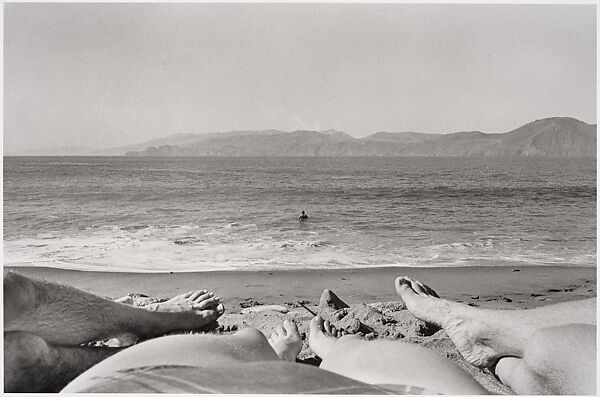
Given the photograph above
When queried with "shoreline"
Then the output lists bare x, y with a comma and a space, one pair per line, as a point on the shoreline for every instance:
524, 286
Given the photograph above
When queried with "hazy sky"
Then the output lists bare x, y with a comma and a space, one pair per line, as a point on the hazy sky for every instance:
105, 75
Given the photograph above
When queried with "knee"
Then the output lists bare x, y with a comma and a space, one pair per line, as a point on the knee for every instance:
252, 345
19, 295
25, 355
23, 345
252, 336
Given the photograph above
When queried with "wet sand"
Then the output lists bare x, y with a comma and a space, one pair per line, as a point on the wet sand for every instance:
526, 287
496, 287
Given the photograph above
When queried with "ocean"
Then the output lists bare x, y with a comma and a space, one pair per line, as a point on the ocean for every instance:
201, 214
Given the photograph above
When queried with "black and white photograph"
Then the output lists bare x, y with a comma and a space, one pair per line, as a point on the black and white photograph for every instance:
300, 198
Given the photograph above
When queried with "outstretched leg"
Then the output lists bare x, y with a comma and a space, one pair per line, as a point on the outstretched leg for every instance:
483, 336
64, 315
389, 362
544, 350
45, 324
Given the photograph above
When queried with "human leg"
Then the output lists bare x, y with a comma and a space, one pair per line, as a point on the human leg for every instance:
548, 350
45, 324
551, 366
483, 336
389, 362
32, 365
67, 316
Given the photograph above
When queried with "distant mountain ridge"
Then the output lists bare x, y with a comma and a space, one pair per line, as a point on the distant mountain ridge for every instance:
550, 137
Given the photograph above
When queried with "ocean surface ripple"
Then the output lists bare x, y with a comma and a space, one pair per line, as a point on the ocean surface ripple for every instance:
199, 214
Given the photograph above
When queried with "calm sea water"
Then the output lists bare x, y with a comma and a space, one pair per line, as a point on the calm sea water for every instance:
198, 214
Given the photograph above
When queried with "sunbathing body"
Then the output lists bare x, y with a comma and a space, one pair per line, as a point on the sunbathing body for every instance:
248, 362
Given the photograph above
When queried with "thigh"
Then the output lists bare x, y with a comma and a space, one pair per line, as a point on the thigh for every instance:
400, 363
556, 360
564, 358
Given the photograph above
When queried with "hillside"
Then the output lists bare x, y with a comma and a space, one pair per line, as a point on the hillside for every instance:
552, 137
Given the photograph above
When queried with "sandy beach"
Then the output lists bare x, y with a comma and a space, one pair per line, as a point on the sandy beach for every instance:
369, 292
525, 287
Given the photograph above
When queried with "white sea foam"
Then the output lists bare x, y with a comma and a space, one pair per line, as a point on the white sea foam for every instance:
191, 248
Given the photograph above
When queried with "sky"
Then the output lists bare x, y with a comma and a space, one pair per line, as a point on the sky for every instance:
108, 74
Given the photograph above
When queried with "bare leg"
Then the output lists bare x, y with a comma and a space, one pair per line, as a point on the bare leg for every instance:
31, 365
544, 350
67, 316
389, 362
45, 324
551, 366
483, 336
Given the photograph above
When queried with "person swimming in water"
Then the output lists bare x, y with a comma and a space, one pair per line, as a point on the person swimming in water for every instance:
303, 216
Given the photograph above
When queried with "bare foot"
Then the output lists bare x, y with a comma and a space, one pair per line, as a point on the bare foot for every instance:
286, 341
190, 311
470, 334
192, 300
323, 336
330, 330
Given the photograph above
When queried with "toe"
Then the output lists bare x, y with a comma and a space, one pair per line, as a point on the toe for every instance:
430, 291
280, 331
402, 283
316, 324
290, 327
196, 294
335, 331
327, 327
424, 290
202, 297
210, 303
419, 287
